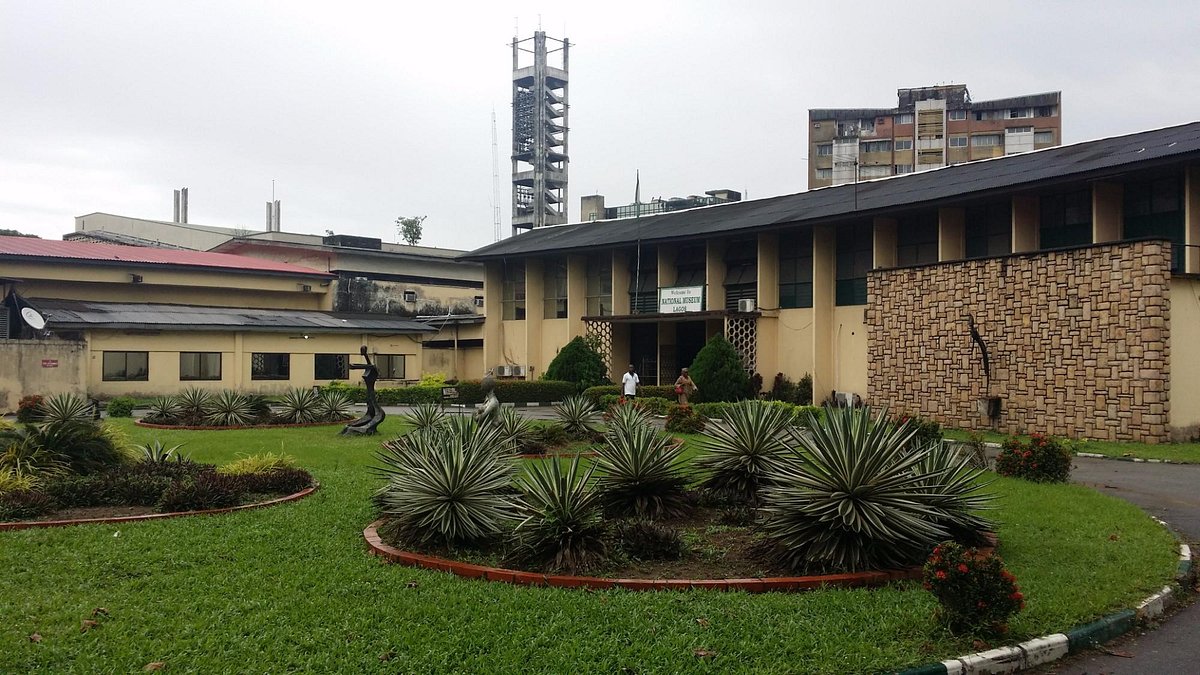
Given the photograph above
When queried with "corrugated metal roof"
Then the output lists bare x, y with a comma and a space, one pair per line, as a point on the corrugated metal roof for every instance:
961, 181
28, 247
77, 314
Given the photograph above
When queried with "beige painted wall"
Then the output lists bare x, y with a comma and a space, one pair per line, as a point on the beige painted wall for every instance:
512, 344
1185, 358
849, 351
794, 338
22, 372
555, 335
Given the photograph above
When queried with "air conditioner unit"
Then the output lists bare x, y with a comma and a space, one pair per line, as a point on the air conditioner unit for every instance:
504, 371
746, 305
410, 296
305, 288
518, 371
479, 301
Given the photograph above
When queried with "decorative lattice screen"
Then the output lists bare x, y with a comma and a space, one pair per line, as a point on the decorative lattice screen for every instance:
601, 332
742, 333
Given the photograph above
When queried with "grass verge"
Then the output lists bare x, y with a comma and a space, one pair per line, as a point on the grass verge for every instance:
1184, 453
291, 588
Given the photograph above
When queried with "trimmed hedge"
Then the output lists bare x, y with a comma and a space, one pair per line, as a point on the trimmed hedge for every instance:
799, 412
648, 391
469, 392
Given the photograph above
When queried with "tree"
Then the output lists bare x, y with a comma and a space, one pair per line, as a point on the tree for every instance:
14, 233
578, 362
409, 228
718, 372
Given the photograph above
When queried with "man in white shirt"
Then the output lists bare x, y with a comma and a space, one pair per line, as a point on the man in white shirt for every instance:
629, 382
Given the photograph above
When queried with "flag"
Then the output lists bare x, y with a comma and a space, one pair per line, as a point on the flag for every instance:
637, 196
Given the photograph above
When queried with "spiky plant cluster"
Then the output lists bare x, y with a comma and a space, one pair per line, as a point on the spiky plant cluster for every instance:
299, 406
578, 415
625, 417
739, 455
334, 405
192, 403
562, 527
65, 408
640, 473
424, 416
157, 453
228, 408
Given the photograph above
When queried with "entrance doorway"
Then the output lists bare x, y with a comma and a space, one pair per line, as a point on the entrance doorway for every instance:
689, 339
643, 351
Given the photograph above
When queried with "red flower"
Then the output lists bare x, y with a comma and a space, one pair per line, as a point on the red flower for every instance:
1027, 454
940, 574
1016, 595
1008, 576
962, 568
981, 604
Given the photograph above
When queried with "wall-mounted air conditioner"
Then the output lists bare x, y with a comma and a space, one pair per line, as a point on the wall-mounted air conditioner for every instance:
410, 296
746, 305
504, 371
479, 301
518, 371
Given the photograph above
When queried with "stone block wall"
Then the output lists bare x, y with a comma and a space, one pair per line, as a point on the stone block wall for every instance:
1078, 341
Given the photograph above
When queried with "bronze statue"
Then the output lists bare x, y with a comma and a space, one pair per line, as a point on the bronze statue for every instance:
370, 421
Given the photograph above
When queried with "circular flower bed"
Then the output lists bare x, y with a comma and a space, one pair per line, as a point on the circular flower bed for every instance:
195, 409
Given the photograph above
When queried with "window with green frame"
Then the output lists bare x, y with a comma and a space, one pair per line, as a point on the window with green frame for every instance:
1155, 209
512, 299
855, 257
1066, 219
643, 281
554, 278
989, 230
796, 269
917, 239
741, 272
599, 284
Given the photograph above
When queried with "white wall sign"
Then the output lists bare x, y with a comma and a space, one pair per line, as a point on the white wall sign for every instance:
681, 299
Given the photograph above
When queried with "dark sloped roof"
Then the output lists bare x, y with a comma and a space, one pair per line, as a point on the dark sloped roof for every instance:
1091, 159
77, 314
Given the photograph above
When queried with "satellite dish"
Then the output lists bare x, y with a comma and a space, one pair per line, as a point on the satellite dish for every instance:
33, 318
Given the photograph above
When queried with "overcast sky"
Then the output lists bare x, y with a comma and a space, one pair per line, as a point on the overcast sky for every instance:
365, 112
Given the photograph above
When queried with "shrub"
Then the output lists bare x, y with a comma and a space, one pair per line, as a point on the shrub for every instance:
562, 528
808, 415
299, 406
432, 380
201, 492
157, 453
70, 491
597, 394
81, 447
281, 480
516, 432
267, 461
683, 419
191, 403
228, 408
926, 432
718, 372
1042, 459
29, 408
647, 540
783, 389
640, 473
551, 435
133, 489
655, 405
625, 416
975, 591
738, 515
740, 454
164, 410
577, 362
121, 406
65, 408
713, 410
424, 416
578, 416
333, 405
24, 504
848, 495
804, 391
975, 449
11, 480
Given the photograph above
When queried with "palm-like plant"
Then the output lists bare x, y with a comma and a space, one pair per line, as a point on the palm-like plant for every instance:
562, 529
333, 405
514, 429
640, 474
956, 487
80, 447
849, 495
299, 406
65, 408
155, 452
624, 418
424, 416
577, 414
228, 408
192, 402
740, 453
163, 410
23, 456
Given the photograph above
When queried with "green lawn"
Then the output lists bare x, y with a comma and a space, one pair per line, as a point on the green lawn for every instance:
1187, 453
292, 589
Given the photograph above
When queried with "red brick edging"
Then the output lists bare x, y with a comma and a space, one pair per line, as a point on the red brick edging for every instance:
31, 524
559, 455
179, 427
467, 570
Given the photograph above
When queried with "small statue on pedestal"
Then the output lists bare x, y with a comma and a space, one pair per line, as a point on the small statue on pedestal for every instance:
369, 422
491, 404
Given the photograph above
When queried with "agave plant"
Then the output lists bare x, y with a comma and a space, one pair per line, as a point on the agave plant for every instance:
192, 402
65, 408
562, 529
228, 408
442, 489
23, 457
849, 495
155, 452
740, 453
624, 418
333, 405
515, 431
300, 406
956, 486
577, 414
81, 447
163, 410
640, 474
425, 416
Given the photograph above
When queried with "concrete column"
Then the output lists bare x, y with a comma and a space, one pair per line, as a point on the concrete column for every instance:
576, 294
493, 312
952, 232
768, 300
824, 295
620, 284
667, 273
714, 275
1191, 218
885, 242
535, 312
1025, 221
1107, 212
239, 360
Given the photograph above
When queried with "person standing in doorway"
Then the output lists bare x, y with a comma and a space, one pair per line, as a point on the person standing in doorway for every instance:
629, 383
685, 387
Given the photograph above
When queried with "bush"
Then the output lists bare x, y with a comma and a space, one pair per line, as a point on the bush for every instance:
333, 405
562, 529
739, 454
262, 463
469, 392
66, 408
228, 408
718, 372
11, 480
24, 504
578, 416
192, 403
640, 473
81, 447
121, 406
579, 363
647, 540
300, 406
738, 515
424, 416
164, 410
157, 453
713, 410
975, 591
683, 419
29, 408
200, 492
806, 415
646, 391
281, 481
1041, 460
926, 431
550, 436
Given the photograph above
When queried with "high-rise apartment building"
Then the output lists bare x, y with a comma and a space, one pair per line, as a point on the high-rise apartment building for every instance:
928, 128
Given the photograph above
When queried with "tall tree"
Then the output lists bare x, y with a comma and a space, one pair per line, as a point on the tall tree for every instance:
409, 228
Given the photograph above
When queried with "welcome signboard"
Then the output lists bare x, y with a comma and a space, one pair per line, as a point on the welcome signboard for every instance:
675, 299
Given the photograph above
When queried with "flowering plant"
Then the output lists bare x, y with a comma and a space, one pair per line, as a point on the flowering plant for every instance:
974, 589
1043, 459
684, 419
29, 408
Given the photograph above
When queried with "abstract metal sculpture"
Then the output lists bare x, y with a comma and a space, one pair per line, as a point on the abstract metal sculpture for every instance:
370, 421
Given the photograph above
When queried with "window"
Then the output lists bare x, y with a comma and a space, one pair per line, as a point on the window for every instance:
1019, 130
741, 272
691, 264
904, 168
643, 281
1020, 113
823, 174
410, 296
904, 118
876, 146
199, 365
391, 366
555, 285
905, 144
825, 150
1155, 209
917, 240
855, 256
987, 140
958, 141
957, 115
1043, 137
331, 367
265, 366
989, 230
874, 171
599, 284
1066, 219
126, 366
1047, 111
796, 269
982, 115
512, 299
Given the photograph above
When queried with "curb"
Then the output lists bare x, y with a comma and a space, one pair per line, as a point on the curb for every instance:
36, 524
176, 427
1053, 647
